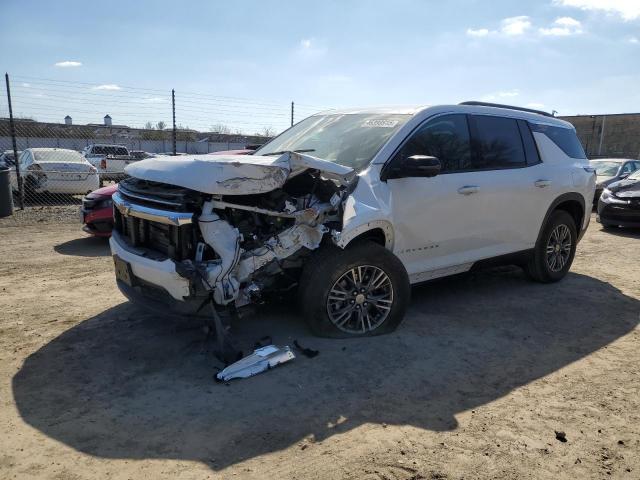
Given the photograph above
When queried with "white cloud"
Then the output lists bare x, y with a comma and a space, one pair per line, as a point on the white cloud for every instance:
536, 105
108, 86
26, 85
154, 99
515, 25
305, 43
497, 96
68, 64
562, 27
480, 32
511, 27
634, 40
627, 9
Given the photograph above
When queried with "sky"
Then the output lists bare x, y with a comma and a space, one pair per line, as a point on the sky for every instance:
241, 63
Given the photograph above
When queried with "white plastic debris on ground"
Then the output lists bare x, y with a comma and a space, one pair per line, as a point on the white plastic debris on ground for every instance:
259, 361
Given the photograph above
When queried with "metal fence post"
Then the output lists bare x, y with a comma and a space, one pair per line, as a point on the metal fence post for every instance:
12, 126
173, 107
601, 135
292, 114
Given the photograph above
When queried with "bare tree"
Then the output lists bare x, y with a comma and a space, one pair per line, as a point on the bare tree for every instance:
267, 132
220, 128
148, 126
161, 125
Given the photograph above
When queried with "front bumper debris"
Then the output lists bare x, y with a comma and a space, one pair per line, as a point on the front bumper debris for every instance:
161, 273
259, 361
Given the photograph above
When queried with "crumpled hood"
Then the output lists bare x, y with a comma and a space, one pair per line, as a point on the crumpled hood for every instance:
627, 188
234, 174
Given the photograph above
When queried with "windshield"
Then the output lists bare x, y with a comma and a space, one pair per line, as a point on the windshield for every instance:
67, 156
351, 140
605, 169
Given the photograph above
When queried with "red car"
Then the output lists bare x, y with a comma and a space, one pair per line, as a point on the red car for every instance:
97, 209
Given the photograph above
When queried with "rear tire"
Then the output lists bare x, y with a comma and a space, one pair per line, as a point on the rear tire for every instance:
360, 291
555, 249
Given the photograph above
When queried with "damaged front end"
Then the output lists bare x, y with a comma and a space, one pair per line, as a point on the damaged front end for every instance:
233, 229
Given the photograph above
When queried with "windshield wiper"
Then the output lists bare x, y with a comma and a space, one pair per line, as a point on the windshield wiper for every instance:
303, 150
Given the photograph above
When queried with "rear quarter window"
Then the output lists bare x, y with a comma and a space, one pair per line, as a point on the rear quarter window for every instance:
565, 138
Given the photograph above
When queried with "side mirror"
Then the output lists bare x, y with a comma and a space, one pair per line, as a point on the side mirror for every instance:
421, 166
623, 175
413, 166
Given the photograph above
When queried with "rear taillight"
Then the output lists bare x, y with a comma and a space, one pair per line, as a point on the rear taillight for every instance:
36, 170
103, 164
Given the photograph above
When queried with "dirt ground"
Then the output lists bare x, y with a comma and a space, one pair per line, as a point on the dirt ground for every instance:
474, 384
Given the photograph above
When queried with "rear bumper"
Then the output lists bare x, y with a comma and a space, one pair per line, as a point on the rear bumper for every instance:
70, 187
159, 273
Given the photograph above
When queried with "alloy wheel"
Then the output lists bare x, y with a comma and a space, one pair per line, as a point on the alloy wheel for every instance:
558, 248
360, 300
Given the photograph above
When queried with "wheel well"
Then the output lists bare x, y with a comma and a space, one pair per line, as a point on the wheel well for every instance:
375, 235
573, 208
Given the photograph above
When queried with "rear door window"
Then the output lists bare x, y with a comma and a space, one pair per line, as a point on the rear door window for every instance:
496, 143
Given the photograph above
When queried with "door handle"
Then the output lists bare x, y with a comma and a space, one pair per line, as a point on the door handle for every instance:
542, 183
468, 190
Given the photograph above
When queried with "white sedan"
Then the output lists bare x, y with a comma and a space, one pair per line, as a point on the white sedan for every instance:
55, 170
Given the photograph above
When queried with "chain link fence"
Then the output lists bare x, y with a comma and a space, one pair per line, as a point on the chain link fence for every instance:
62, 140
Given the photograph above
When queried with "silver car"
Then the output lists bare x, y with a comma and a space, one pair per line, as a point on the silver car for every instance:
55, 170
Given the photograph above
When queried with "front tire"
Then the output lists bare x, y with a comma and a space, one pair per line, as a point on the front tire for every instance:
555, 250
360, 291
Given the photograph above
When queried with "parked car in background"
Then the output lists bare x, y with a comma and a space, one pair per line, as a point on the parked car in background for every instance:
351, 207
7, 159
96, 212
140, 154
609, 170
55, 170
109, 160
619, 204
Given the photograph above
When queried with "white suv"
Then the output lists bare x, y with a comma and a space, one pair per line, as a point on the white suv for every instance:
349, 208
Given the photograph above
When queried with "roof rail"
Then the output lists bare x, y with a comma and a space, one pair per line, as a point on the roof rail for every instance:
510, 107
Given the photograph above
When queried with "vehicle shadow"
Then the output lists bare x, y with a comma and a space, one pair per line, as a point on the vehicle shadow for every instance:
130, 385
623, 232
84, 247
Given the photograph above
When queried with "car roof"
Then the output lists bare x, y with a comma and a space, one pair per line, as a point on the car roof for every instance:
424, 111
47, 149
391, 109
616, 160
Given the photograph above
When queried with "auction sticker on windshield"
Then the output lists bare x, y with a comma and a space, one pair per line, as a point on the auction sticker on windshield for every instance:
380, 123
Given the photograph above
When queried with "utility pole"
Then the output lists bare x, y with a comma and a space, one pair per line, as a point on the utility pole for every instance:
292, 114
173, 108
601, 135
12, 128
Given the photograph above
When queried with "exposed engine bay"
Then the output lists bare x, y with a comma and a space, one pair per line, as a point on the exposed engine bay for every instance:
240, 246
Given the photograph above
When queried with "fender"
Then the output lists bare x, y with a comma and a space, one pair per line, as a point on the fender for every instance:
342, 239
569, 196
